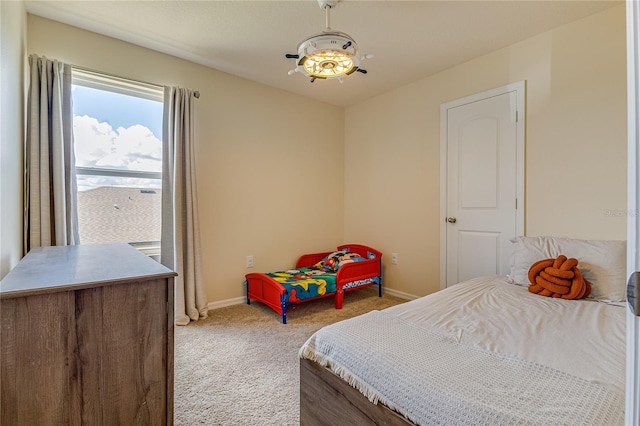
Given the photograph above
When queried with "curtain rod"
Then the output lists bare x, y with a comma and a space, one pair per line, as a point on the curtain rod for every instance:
195, 92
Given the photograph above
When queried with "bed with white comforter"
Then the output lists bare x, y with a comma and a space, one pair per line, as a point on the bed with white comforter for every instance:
485, 351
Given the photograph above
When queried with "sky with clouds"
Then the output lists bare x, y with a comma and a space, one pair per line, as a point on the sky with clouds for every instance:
98, 144
112, 130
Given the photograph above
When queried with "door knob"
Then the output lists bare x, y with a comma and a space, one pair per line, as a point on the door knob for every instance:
451, 219
633, 293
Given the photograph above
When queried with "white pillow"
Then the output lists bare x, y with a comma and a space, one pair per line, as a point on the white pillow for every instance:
602, 262
525, 252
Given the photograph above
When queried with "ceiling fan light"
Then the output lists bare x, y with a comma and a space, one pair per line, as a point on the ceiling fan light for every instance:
324, 55
330, 54
329, 63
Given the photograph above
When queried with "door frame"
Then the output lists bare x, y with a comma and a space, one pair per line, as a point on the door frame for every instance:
632, 398
519, 88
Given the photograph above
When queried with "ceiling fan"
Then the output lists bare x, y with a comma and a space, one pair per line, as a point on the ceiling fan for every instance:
328, 55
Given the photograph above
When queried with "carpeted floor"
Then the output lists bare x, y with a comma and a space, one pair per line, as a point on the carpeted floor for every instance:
240, 365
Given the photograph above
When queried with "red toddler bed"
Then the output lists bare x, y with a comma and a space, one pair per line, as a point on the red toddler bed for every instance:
317, 275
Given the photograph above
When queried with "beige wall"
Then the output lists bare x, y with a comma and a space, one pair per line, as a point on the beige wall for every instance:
575, 146
267, 186
13, 29
385, 190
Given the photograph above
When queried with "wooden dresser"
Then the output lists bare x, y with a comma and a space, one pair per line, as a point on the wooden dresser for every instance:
86, 338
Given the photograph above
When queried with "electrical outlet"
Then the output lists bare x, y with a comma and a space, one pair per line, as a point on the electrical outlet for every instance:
394, 258
250, 261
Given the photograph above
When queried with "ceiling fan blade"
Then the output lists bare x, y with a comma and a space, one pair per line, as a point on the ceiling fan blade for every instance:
361, 70
291, 56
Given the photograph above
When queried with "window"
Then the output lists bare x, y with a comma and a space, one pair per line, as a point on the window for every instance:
117, 129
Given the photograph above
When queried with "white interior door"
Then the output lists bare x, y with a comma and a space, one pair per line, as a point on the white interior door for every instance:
482, 184
632, 408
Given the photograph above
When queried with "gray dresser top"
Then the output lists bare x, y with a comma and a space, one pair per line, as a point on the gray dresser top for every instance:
61, 268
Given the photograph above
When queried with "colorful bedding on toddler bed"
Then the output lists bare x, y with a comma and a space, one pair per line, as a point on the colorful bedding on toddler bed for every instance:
317, 280
305, 283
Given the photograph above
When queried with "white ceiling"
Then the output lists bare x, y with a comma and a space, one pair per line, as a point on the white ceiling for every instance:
410, 39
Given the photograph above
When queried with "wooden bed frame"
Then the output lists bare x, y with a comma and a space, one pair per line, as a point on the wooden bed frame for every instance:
265, 289
326, 399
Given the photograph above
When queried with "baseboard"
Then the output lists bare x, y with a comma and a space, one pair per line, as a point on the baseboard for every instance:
227, 302
400, 294
392, 292
243, 299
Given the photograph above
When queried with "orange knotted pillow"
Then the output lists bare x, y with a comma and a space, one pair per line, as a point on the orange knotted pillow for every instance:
559, 277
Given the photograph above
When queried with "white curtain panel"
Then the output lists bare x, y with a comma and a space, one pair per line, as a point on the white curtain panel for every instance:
180, 238
50, 216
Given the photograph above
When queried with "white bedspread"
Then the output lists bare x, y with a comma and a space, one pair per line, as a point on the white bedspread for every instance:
484, 352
